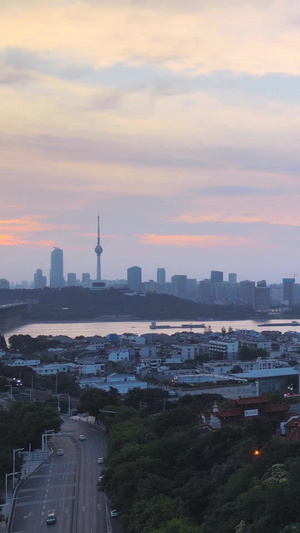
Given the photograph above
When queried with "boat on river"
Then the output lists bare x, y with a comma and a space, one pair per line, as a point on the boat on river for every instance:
153, 325
280, 324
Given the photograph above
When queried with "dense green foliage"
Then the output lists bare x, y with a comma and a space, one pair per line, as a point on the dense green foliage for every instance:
23, 424
165, 474
73, 303
27, 345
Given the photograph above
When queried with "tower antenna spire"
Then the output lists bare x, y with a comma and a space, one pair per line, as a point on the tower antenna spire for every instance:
98, 239
98, 251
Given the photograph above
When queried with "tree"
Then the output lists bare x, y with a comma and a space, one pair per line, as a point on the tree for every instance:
236, 370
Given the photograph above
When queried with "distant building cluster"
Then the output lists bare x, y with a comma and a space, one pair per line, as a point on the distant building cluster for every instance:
214, 290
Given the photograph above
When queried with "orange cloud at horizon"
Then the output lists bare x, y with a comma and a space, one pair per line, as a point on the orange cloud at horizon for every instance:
11, 240
200, 241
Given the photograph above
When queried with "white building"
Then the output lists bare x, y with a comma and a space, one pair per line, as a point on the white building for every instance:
122, 382
148, 350
91, 368
24, 362
228, 349
122, 354
186, 351
54, 368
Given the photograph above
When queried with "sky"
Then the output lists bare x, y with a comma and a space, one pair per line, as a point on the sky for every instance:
178, 122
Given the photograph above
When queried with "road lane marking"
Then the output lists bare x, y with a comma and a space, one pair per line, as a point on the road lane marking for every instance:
48, 501
27, 516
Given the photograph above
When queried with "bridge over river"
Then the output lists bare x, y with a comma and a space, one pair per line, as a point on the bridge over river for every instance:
12, 314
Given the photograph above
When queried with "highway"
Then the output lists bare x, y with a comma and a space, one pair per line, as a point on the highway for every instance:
67, 485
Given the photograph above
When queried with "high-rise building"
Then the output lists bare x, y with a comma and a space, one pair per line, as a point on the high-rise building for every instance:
206, 293
39, 281
4, 283
161, 275
288, 290
72, 280
98, 251
179, 285
57, 268
216, 276
261, 296
247, 292
134, 278
232, 278
86, 280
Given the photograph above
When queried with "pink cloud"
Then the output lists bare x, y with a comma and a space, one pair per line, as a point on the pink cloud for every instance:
200, 241
11, 240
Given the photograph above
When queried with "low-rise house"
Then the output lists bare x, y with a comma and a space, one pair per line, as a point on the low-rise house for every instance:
122, 354
87, 368
227, 349
186, 351
23, 362
54, 368
122, 382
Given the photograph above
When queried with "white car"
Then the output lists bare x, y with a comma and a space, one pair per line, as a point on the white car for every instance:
113, 513
81, 437
100, 478
100, 461
51, 518
60, 451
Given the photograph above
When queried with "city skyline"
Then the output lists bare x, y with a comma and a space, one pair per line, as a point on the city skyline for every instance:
178, 122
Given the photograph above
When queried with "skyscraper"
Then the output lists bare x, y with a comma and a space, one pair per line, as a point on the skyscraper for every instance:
179, 285
72, 281
216, 276
57, 268
134, 278
98, 251
161, 275
39, 281
232, 278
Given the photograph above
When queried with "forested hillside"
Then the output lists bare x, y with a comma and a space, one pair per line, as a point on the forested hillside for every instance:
73, 303
166, 475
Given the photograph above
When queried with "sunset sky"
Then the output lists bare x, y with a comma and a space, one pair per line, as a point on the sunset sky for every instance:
177, 121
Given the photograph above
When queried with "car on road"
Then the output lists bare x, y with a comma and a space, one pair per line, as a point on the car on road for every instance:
113, 513
60, 451
100, 461
51, 518
100, 478
81, 437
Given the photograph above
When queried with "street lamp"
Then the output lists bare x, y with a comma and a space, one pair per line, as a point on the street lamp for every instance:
6, 497
15, 450
69, 401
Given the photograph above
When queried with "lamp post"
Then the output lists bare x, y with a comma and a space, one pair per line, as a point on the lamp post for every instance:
69, 401
6, 491
15, 450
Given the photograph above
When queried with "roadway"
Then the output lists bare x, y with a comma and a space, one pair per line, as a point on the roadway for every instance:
67, 485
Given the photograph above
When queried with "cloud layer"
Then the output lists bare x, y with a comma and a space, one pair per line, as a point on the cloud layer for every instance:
178, 121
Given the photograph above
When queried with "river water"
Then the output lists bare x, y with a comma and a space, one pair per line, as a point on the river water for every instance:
90, 328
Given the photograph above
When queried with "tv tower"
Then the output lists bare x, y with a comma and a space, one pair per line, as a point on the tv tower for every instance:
98, 251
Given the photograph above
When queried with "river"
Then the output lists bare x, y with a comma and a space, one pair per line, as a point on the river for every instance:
90, 328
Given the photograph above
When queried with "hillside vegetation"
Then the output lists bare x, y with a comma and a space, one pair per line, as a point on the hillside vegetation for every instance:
73, 303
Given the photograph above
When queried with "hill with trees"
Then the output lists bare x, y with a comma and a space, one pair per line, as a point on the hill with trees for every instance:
166, 474
77, 303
